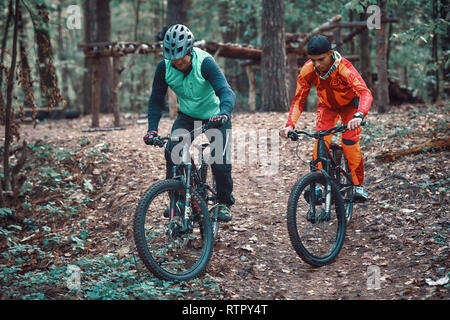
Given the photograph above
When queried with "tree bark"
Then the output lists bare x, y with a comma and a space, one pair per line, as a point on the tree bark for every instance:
9, 93
364, 44
251, 88
383, 82
292, 71
177, 12
338, 39
229, 35
434, 53
105, 67
62, 54
89, 36
115, 90
45, 58
273, 56
445, 46
2, 56
5, 36
95, 95
25, 72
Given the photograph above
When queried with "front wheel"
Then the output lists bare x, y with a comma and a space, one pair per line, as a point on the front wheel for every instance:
169, 246
316, 235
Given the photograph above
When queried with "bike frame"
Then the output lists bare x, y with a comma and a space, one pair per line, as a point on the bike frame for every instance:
328, 162
190, 177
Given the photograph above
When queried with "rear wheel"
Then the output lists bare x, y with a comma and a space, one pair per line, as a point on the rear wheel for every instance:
316, 235
167, 247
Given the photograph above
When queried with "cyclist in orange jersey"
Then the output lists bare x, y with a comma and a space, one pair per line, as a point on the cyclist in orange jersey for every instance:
342, 93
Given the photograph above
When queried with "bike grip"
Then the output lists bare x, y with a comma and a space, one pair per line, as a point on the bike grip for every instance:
293, 135
176, 139
363, 123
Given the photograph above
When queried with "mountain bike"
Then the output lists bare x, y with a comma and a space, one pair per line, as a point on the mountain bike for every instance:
321, 203
175, 222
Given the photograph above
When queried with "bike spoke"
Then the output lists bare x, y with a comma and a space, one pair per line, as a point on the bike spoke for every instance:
168, 248
318, 233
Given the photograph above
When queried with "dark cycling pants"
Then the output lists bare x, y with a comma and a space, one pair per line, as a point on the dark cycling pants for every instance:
221, 172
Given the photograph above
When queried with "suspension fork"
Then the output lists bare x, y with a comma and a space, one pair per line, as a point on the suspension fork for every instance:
187, 206
327, 191
326, 164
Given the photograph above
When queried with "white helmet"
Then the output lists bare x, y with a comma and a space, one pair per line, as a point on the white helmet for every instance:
178, 42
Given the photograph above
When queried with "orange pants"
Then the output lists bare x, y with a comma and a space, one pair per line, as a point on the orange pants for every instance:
326, 119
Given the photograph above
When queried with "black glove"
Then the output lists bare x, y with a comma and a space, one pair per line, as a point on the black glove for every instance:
217, 121
293, 135
151, 137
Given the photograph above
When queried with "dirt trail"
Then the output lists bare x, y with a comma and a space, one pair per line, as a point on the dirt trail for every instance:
402, 230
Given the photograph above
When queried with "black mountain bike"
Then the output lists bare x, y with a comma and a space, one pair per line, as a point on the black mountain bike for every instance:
175, 222
321, 202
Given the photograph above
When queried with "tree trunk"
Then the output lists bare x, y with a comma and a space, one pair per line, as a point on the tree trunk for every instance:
364, 44
352, 43
89, 36
134, 87
383, 82
248, 33
445, 46
136, 16
273, 56
62, 55
252, 88
434, 53
45, 58
2, 56
9, 115
177, 12
292, 72
25, 73
95, 95
105, 67
337, 40
229, 34
115, 91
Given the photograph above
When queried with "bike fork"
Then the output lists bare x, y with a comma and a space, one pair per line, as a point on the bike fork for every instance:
328, 200
187, 205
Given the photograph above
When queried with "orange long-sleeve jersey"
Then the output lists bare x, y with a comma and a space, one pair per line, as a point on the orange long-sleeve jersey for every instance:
338, 90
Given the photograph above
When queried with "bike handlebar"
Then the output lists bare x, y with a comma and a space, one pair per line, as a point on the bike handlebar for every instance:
294, 134
161, 141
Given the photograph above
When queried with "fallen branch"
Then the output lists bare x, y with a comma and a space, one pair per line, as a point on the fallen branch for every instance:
430, 145
102, 129
324, 27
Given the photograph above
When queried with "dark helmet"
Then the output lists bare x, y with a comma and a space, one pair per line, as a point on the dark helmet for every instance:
178, 42
318, 45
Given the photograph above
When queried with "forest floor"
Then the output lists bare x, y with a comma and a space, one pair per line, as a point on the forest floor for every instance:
82, 189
